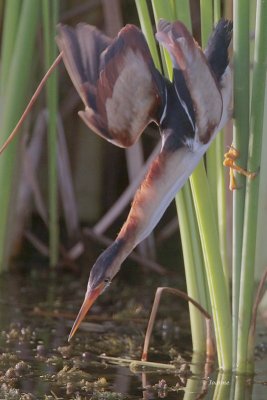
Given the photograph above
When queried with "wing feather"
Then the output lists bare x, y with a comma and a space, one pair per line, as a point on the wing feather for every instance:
203, 88
121, 89
216, 51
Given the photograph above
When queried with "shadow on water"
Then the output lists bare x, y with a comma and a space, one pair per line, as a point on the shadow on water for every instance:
36, 361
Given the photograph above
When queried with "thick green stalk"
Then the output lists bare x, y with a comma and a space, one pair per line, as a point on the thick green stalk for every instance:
50, 17
14, 101
192, 252
214, 157
217, 10
241, 63
163, 9
144, 18
220, 177
261, 248
194, 265
214, 270
221, 205
182, 11
206, 226
206, 17
223, 386
11, 20
252, 191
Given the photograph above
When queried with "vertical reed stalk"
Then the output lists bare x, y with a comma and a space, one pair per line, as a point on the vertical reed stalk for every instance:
206, 18
218, 286
241, 62
252, 188
19, 67
50, 17
208, 199
220, 177
145, 22
11, 21
261, 248
210, 13
182, 12
196, 281
194, 265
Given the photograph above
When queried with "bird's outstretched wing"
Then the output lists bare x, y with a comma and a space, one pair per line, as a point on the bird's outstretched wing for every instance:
188, 58
117, 80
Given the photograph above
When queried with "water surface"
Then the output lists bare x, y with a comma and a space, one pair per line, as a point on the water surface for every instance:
37, 310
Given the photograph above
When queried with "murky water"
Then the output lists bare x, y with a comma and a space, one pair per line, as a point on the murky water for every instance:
36, 362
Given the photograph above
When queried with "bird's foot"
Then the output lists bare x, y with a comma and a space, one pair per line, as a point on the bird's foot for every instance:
230, 161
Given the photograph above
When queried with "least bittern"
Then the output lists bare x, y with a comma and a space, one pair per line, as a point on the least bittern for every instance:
123, 92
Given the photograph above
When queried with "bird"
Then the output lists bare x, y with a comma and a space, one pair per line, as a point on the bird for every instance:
123, 92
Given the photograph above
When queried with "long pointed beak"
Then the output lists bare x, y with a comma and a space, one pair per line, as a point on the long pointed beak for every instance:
89, 300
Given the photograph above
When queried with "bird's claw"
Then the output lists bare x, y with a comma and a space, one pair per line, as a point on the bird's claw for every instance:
230, 158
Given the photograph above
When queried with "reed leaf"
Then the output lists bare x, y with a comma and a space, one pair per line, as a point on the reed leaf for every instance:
252, 189
261, 248
196, 281
50, 17
241, 61
11, 20
13, 103
145, 22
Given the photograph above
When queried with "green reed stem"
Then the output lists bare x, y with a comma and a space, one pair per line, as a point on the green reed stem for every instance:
213, 232
252, 190
163, 9
50, 17
194, 265
212, 162
19, 68
216, 280
11, 21
206, 18
261, 248
183, 13
145, 22
241, 62
192, 252
220, 178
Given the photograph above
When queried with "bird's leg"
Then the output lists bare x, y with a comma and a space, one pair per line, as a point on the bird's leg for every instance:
230, 161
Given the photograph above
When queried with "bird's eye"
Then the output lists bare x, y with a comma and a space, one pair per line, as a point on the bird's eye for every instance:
107, 281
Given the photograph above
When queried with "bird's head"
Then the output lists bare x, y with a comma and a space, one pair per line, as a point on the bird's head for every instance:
105, 268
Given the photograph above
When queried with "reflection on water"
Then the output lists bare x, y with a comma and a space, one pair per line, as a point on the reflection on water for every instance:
36, 362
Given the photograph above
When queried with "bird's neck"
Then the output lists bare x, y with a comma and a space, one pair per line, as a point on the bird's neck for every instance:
114, 255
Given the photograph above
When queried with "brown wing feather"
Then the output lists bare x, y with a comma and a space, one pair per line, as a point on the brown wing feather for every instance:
82, 48
122, 91
189, 58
